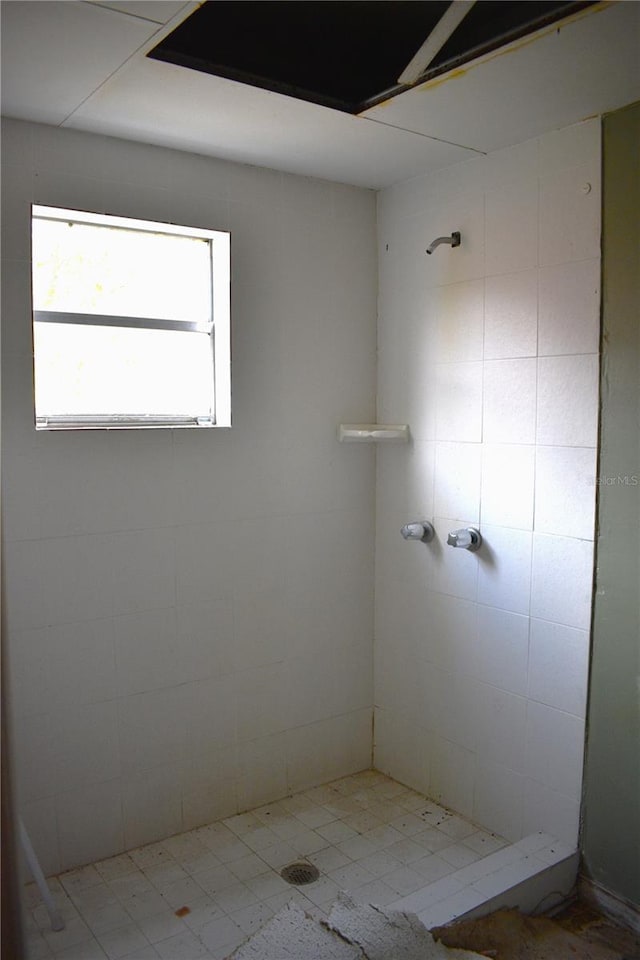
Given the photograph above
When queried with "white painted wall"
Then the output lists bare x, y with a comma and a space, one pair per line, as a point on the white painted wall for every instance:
489, 352
190, 614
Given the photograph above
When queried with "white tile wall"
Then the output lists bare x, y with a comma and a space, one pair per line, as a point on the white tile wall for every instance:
509, 409
508, 474
511, 315
569, 308
565, 481
175, 598
568, 401
561, 580
457, 480
558, 666
190, 614
484, 656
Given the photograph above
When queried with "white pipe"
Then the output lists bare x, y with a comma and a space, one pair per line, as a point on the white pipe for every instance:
448, 22
57, 923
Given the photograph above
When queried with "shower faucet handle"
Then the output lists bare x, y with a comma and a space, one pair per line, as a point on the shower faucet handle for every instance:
418, 530
468, 538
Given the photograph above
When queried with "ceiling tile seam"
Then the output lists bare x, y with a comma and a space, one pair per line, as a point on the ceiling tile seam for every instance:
122, 13
425, 136
162, 29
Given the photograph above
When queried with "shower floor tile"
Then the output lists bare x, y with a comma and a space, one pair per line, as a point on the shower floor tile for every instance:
200, 894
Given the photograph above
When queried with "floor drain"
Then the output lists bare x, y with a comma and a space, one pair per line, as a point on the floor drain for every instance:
300, 873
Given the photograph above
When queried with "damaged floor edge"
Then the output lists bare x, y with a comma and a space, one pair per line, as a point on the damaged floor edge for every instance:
353, 931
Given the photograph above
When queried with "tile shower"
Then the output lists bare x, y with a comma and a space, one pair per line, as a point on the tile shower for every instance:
201, 893
190, 617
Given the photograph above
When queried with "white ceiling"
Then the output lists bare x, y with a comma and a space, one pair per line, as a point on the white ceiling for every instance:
82, 65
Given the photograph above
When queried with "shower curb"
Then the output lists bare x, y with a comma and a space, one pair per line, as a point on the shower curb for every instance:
534, 874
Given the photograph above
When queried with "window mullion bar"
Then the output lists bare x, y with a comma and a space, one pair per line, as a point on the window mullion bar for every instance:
105, 320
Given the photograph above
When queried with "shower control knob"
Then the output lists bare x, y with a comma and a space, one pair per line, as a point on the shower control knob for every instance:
468, 538
418, 530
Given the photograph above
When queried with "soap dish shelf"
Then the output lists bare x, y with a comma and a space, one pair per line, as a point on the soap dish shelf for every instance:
373, 432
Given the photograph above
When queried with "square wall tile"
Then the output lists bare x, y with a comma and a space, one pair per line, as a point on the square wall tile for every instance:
459, 402
562, 580
258, 628
459, 725
77, 814
402, 749
144, 570
343, 681
457, 480
503, 646
62, 666
34, 737
560, 149
451, 633
569, 308
208, 709
511, 316
205, 638
455, 572
257, 554
16, 310
453, 775
201, 807
500, 732
551, 812
509, 165
565, 491
509, 404
203, 567
152, 805
559, 666
23, 570
568, 390
508, 472
323, 751
570, 215
78, 578
498, 800
554, 748
261, 701
263, 771
458, 310
504, 569
147, 651
21, 481
419, 477
152, 729
85, 744
511, 237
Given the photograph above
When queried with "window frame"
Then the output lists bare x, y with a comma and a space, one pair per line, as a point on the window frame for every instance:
218, 328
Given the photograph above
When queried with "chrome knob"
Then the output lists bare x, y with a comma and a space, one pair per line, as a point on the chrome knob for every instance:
418, 530
468, 538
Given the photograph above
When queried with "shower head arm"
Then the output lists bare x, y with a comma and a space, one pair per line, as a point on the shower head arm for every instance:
453, 240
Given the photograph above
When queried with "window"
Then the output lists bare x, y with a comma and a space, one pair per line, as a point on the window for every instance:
131, 322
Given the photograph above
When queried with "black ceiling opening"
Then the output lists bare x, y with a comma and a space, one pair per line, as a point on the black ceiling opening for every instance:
344, 54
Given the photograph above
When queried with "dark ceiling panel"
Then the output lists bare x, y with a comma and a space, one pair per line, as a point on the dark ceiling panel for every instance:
345, 54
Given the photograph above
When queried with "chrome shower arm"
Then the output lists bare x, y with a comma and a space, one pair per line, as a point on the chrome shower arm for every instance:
453, 240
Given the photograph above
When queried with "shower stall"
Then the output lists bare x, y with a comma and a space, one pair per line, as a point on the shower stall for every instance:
199, 625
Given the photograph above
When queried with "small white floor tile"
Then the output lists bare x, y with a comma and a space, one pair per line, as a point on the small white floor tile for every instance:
201, 893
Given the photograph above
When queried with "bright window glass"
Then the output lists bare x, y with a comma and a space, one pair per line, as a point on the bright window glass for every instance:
131, 322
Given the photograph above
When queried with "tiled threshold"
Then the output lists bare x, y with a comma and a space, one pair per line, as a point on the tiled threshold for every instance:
534, 874
200, 894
